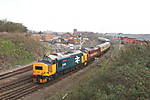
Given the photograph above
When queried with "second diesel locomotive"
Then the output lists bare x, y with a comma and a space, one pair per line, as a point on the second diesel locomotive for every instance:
54, 64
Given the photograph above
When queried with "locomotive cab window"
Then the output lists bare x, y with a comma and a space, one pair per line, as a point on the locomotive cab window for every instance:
38, 67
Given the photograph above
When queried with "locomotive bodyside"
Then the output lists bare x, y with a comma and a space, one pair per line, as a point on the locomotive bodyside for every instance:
68, 62
54, 64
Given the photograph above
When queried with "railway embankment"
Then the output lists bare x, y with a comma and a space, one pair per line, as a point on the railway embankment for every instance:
18, 49
124, 74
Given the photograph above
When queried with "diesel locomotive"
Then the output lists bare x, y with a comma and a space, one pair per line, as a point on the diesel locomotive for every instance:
52, 65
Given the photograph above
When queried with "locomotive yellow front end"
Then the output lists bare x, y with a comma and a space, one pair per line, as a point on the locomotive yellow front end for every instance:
43, 70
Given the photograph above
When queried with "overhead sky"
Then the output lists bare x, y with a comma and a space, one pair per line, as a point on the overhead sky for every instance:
126, 16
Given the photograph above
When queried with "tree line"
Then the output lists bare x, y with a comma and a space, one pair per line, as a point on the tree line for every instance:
8, 26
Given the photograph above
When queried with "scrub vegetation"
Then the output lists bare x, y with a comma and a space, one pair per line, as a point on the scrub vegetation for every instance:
8, 26
123, 75
18, 49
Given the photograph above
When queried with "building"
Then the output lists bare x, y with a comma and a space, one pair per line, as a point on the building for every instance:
43, 37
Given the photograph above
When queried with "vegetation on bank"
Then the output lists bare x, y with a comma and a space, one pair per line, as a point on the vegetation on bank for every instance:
124, 75
18, 49
8, 26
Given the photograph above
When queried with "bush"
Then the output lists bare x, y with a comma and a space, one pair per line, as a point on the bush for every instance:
126, 77
18, 49
8, 26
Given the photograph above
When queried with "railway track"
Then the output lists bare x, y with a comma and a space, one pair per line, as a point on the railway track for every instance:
15, 84
23, 87
15, 72
13, 80
18, 92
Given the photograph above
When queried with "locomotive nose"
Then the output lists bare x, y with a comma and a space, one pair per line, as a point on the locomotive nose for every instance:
38, 68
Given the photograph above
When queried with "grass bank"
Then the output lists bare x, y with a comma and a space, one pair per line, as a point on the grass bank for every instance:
122, 75
18, 49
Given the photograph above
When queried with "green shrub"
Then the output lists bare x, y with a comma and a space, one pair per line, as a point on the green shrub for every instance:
18, 49
126, 77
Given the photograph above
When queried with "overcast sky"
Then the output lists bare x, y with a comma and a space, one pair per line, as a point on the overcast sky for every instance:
126, 16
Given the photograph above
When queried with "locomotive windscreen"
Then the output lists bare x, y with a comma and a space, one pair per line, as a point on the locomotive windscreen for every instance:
38, 67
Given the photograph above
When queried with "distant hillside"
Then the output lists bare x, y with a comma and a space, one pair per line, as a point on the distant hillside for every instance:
18, 49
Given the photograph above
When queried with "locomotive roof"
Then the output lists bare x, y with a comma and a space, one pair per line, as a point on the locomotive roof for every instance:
63, 54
